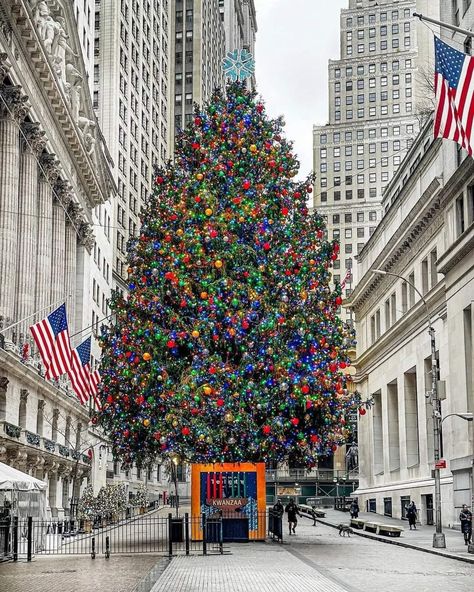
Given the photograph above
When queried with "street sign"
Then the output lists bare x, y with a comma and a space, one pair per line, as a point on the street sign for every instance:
440, 464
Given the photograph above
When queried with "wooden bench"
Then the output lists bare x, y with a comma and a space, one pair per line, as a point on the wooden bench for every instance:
371, 526
389, 530
357, 523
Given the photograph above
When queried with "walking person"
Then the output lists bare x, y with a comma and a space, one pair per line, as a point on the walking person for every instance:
412, 514
292, 511
354, 509
466, 524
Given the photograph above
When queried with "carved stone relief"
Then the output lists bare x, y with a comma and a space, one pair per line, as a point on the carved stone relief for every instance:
33, 138
13, 103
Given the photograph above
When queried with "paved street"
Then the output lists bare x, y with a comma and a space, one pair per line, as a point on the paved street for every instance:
317, 560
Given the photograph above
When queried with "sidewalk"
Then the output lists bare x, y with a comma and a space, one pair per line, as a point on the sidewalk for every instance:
421, 538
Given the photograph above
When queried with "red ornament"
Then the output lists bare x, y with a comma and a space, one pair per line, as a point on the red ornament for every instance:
160, 180
220, 402
197, 120
197, 199
314, 438
297, 195
333, 367
171, 343
245, 324
212, 370
284, 211
90, 453
185, 431
259, 107
196, 145
295, 421
362, 410
305, 389
213, 233
338, 300
309, 189
266, 246
157, 435
246, 184
266, 429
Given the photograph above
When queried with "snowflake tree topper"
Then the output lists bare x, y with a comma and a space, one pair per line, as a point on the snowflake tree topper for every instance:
238, 65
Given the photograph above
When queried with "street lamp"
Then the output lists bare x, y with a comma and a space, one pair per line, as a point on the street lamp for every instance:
174, 471
467, 417
439, 540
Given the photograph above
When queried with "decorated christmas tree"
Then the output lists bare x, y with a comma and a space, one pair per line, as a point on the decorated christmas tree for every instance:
141, 498
228, 346
87, 506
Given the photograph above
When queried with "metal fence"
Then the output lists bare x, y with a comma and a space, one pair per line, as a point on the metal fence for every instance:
166, 535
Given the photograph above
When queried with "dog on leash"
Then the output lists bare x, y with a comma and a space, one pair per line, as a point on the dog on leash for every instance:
345, 529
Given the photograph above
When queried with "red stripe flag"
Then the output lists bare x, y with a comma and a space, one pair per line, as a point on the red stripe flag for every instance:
454, 87
94, 379
79, 372
51, 336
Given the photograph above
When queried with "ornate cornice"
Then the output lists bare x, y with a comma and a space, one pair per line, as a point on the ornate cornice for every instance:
13, 103
86, 236
33, 138
60, 74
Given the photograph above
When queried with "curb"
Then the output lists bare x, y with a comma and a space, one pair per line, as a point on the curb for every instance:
391, 541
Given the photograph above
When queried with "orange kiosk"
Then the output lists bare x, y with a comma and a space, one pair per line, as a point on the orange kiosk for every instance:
237, 490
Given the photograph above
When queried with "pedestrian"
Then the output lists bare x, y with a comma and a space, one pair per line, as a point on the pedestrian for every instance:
466, 524
354, 509
412, 514
292, 511
278, 508
313, 514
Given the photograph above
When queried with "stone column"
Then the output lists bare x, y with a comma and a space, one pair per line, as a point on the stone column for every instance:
49, 172
58, 257
86, 244
13, 109
32, 144
72, 225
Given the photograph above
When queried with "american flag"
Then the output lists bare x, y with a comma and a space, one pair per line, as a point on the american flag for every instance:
79, 372
454, 86
347, 278
51, 336
94, 381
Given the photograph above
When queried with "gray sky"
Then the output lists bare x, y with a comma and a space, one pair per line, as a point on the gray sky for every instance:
295, 39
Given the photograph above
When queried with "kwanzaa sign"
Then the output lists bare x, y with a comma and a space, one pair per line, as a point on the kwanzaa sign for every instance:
227, 503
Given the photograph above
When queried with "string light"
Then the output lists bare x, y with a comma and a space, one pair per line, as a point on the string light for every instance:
228, 346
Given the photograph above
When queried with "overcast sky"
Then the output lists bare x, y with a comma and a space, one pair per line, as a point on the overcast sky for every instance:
295, 39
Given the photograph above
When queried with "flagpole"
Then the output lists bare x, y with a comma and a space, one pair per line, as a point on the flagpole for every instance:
63, 299
443, 24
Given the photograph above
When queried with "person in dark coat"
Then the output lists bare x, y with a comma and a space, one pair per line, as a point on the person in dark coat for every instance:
292, 511
278, 508
354, 509
412, 514
466, 524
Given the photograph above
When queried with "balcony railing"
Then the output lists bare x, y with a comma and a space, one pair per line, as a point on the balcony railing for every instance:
310, 475
11, 430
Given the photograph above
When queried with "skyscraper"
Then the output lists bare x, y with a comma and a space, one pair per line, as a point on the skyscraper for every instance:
198, 47
130, 96
374, 115
240, 25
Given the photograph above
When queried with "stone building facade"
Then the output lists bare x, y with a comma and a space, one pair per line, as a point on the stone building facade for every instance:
374, 101
426, 238
53, 173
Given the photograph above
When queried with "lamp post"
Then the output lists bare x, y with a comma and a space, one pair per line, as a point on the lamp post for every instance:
174, 472
439, 540
467, 417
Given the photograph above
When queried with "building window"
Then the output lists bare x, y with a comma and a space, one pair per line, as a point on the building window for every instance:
372, 216
348, 218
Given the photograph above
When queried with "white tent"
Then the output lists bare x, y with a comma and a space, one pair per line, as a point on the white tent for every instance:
13, 479
25, 495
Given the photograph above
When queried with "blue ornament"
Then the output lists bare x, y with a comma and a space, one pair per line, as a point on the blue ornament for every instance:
238, 65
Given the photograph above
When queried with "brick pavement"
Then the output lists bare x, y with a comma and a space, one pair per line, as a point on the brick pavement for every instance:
253, 566
73, 573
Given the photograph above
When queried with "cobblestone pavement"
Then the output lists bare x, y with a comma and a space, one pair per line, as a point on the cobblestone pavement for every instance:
317, 559
76, 574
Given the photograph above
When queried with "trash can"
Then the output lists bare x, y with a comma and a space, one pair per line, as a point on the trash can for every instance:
177, 530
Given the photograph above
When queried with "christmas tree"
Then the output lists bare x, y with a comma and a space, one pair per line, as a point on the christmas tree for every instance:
87, 506
228, 346
141, 498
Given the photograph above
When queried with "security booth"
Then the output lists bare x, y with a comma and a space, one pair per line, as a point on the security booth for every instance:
230, 497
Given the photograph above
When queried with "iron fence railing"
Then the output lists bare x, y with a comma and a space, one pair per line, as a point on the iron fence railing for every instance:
149, 533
